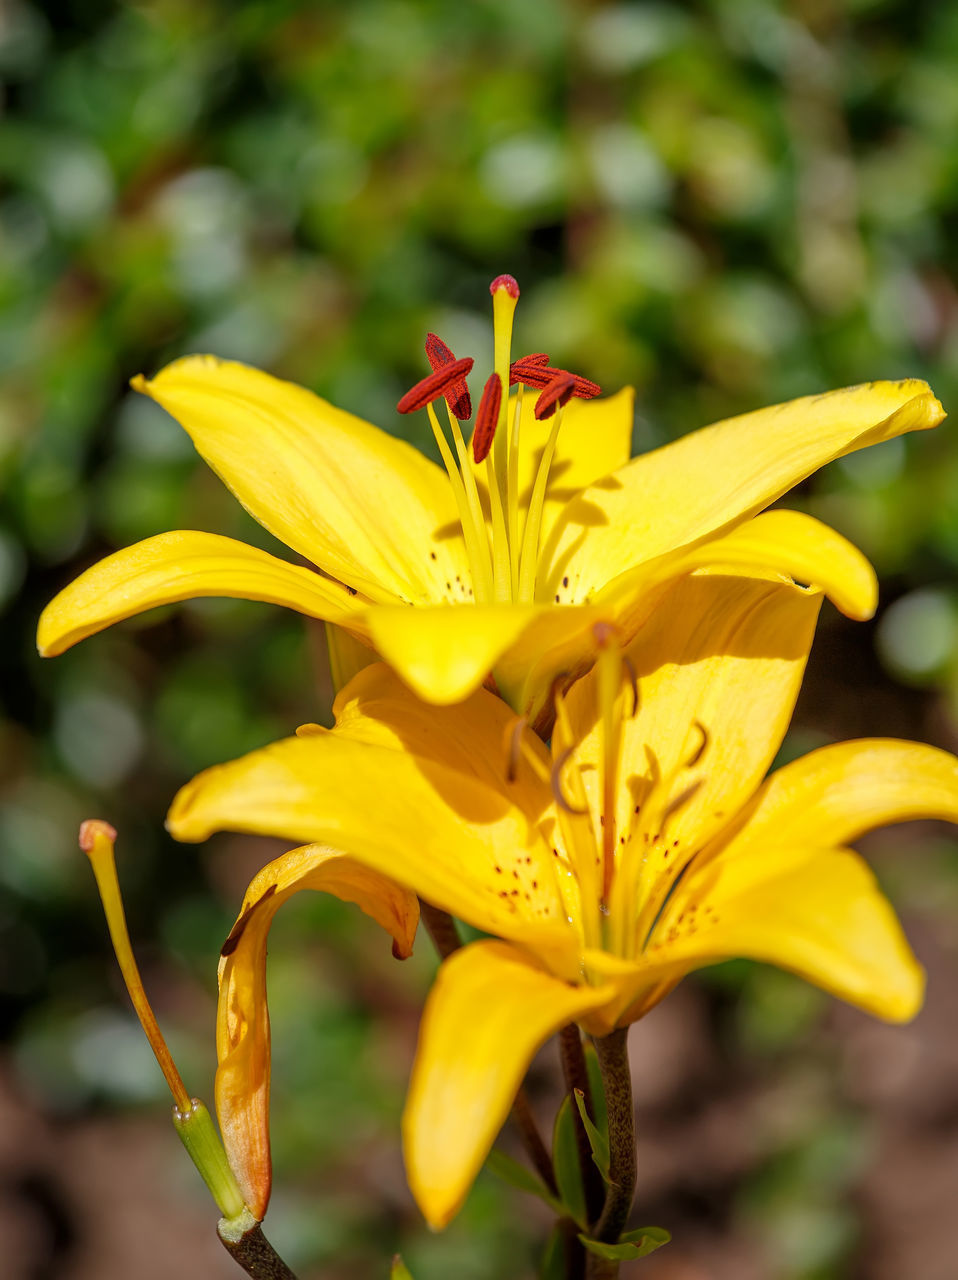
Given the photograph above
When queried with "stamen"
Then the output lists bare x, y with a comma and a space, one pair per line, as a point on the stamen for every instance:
555, 781
457, 397
434, 385
529, 556
697, 754
487, 418
633, 682
477, 549
96, 840
556, 394
515, 748
535, 372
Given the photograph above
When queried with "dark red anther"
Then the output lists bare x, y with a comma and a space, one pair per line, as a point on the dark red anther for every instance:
534, 371
509, 283
435, 385
457, 397
487, 417
558, 392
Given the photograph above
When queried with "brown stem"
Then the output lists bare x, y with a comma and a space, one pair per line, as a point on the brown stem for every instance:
576, 1077
254, 1253
442, 929
613, 1054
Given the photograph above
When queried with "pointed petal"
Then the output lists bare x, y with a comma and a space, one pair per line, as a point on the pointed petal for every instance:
835, 794
242, 1024
366, 508
183, 566
711, 479
444, 653
445, 834
488, 1012
817, 912
595, 440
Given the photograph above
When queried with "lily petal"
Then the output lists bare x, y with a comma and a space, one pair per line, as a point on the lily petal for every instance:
444, 653
242, 1024
596, 439
183, 566
488, 1012
833, 795
718, 668
444, 834
709, 480
365, 507
817, 912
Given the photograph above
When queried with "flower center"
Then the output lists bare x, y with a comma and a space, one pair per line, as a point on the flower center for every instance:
503, 542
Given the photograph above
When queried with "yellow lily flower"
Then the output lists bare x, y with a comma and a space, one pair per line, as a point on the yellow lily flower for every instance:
643, 844
553, 530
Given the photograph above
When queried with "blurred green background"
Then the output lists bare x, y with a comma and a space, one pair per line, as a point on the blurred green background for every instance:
725, 204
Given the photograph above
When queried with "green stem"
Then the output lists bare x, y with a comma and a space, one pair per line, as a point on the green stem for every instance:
576, 1076
242, 1238
613, 1055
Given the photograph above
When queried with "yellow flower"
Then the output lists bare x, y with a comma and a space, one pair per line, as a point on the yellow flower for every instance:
557, 515
642, 845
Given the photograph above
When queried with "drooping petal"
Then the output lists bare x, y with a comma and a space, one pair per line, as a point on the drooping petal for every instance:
709, 480
488, 1012
817, 912
596, 439
365, 507
442, 833
184, 566
835, 794
445, 652
242, 1024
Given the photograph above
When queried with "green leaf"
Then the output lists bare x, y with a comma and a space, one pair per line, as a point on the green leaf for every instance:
517, 1175
634, 1244
553, 1266
565, 1162
598, 1142
596, 1087
399, 1269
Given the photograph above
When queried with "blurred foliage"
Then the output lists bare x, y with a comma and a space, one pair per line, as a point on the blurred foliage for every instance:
724, 204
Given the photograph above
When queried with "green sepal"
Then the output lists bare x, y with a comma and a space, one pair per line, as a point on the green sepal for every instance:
598, 1142
517, 1175
634, 1244
399, 1270
198, 1134
565, 1163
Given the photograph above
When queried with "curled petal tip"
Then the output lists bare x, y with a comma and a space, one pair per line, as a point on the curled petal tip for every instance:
139, 383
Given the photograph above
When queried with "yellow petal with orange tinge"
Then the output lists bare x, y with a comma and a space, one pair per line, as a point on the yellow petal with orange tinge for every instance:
712, 479
444, 653
446, 835
817, 912
242, 1024
184, 566
835, 794
488, 1012
365, 507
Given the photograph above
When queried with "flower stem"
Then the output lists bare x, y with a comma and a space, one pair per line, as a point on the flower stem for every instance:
242, 1238
576, 1076
614, 1063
